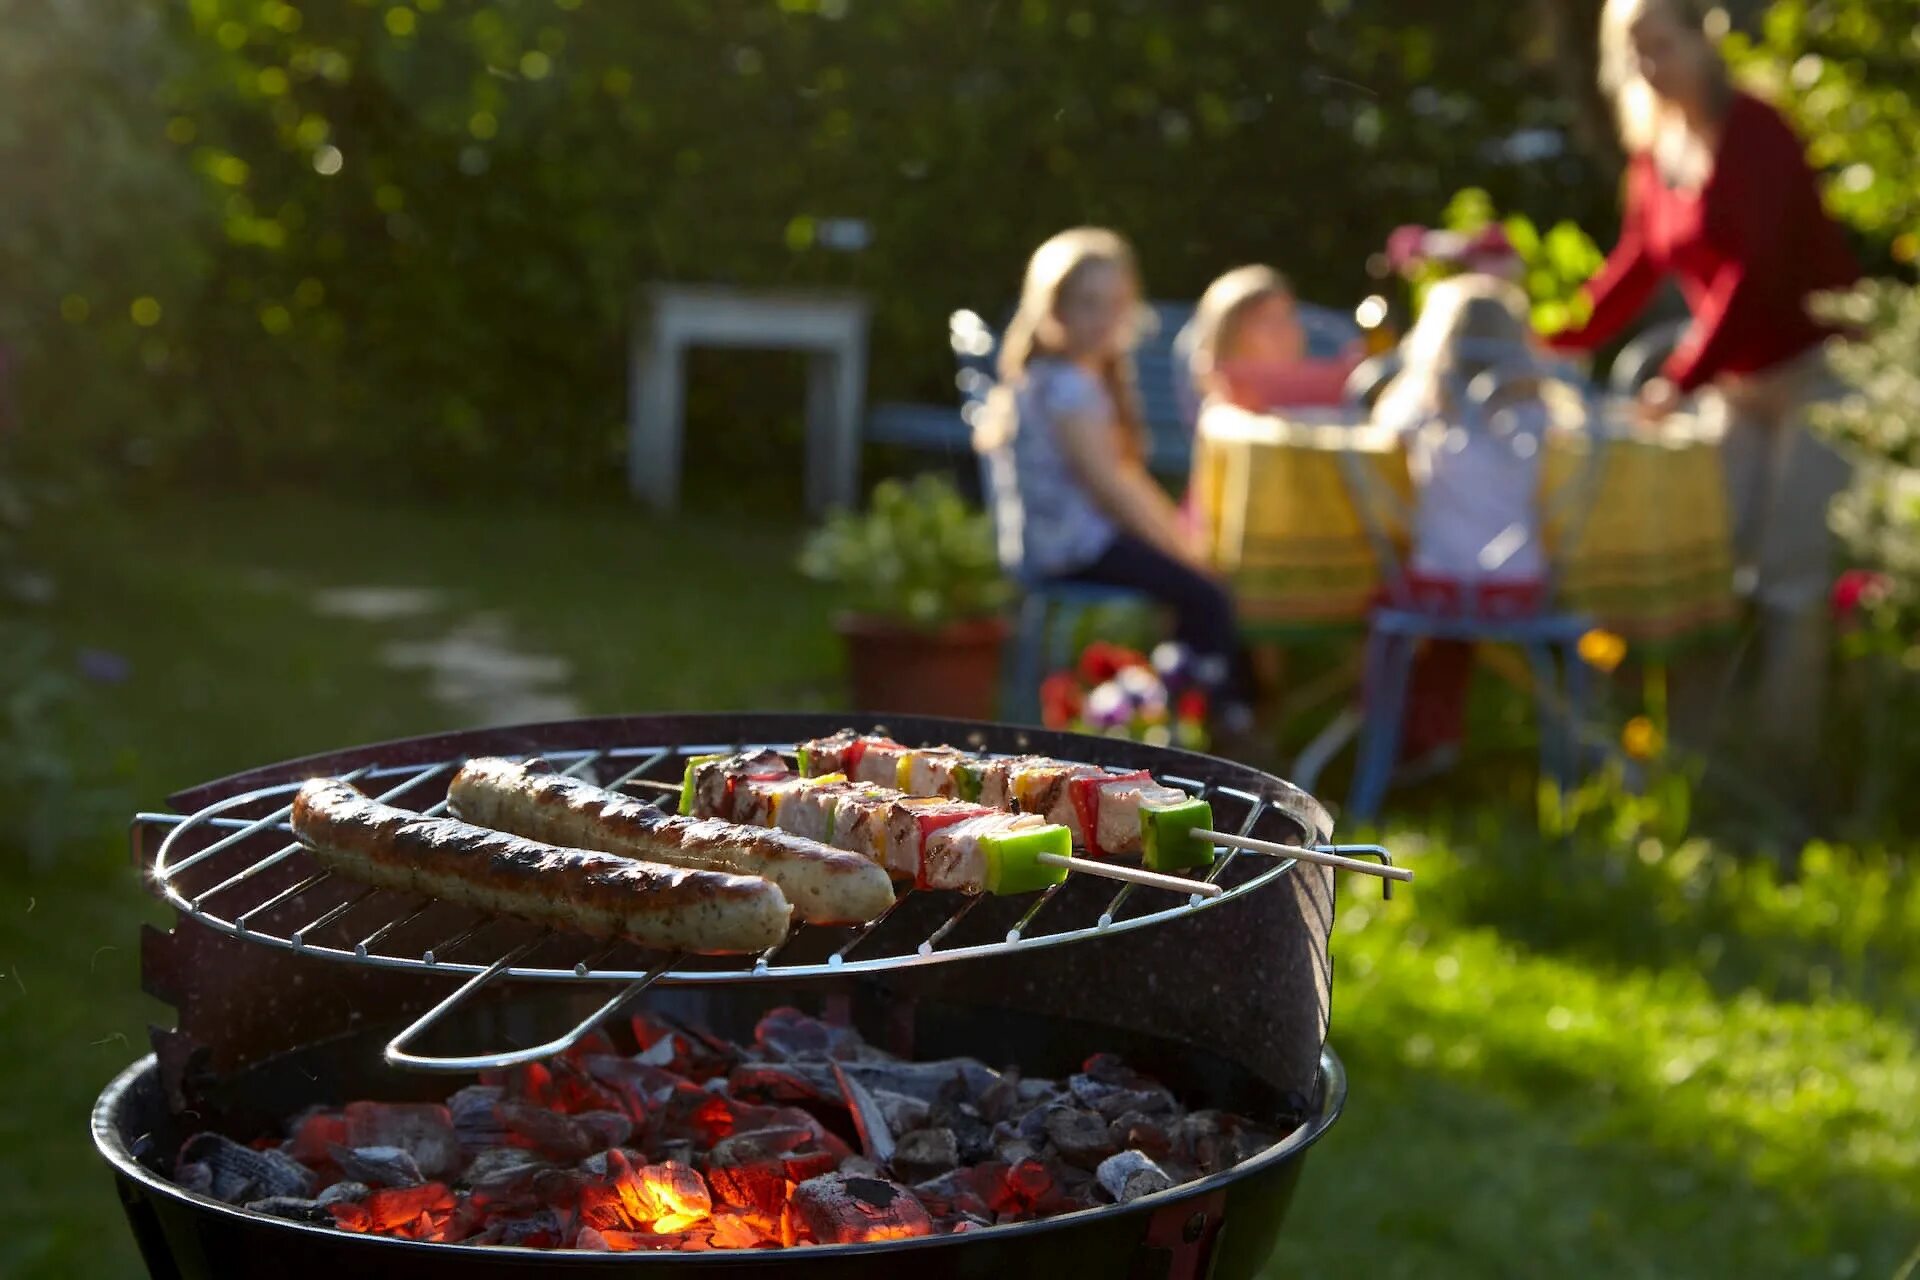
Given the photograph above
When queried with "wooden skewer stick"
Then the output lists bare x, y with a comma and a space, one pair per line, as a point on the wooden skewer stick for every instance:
1136, 875
1305, 855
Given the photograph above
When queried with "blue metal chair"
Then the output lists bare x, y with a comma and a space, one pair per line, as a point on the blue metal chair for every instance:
1550, 640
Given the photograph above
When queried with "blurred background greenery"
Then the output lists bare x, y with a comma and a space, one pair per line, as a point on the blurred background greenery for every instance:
300, 304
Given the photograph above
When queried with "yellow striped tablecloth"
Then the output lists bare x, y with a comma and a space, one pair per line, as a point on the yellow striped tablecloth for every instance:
1650, 558
1654, 558
1278, 519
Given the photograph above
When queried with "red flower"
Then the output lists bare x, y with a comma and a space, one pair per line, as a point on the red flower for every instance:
1100, 661
1191, 707
1096, 663
1856, 589
1060, 700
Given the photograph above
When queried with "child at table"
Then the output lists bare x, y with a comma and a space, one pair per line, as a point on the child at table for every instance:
1245, 353
1247, 350
1066, 453
1475, 460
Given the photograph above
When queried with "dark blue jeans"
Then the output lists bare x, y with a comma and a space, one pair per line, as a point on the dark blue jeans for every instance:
1202, 609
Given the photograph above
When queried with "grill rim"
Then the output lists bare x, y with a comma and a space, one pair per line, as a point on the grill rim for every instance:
1296, 804
1263, 793
112, 1145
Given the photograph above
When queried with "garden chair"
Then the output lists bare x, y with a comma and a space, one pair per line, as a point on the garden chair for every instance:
1397, 628
1051, 614
1642, 357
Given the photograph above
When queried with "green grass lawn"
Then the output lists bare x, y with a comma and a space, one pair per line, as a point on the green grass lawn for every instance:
1562, 1064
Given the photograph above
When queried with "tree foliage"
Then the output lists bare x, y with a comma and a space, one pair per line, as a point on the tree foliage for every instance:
1848, 71
414, 229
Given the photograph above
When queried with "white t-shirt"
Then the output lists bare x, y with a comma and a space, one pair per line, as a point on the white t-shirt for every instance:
1035, 490
1477, 517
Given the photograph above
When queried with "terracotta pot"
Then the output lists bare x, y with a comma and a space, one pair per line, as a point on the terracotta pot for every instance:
954, 671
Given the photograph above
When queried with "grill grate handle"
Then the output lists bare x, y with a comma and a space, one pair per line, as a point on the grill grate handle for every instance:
398, 1055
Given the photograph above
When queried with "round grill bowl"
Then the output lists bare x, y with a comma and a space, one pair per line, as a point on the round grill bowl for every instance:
1228, 1006
1226, 1225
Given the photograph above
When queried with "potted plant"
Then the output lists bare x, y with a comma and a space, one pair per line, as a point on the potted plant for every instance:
922, 594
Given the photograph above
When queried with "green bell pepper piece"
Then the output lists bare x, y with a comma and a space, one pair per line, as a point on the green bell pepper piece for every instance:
1167, 842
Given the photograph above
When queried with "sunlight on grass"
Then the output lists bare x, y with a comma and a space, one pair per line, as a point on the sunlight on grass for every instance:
1805, 1115
1623, 1060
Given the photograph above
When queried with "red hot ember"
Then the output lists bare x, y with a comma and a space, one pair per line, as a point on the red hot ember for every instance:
694, 1143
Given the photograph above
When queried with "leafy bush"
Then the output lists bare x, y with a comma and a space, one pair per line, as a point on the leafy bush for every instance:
47, 793
1844, 70
400, 240
1878, 425
106, 241
1553, 264
918, 554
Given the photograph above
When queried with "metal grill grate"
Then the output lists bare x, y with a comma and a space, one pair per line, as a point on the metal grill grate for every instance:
234, 867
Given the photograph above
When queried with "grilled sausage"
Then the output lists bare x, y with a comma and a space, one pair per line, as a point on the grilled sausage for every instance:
591, 893
825, 885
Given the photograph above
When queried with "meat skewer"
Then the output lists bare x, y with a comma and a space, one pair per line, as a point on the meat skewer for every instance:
1126, 814
1108, 813
935, 843
598, 894
824, 884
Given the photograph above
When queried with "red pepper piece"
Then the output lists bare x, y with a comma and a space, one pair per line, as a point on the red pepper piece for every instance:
944, 816
1085, 794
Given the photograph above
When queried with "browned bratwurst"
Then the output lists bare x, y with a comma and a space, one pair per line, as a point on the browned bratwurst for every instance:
573, 889
825, 885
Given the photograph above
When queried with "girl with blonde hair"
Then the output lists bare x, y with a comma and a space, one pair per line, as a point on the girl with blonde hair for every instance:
1719, 196
1246, 348
1469, 400
1066, 451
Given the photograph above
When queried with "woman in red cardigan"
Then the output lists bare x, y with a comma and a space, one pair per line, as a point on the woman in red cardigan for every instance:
1719, 197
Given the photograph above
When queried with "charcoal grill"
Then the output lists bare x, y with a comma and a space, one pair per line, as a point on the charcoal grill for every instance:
277, 967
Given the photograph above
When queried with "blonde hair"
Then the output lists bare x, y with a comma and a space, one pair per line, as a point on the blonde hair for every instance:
1223, 308
1464, 323
1051, 272
1637, 109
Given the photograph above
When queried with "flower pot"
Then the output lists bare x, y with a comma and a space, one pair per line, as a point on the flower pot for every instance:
952, 671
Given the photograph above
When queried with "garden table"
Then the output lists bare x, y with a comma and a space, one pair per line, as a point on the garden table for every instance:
1651, 558
831, 328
